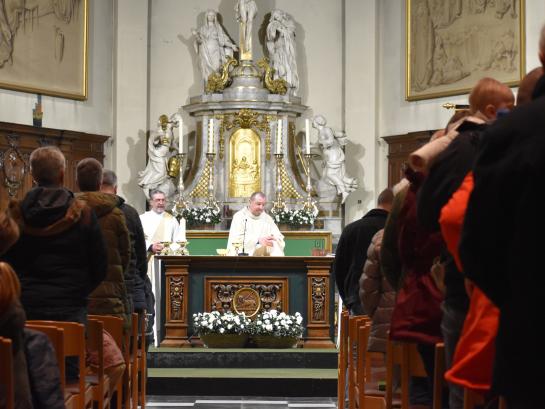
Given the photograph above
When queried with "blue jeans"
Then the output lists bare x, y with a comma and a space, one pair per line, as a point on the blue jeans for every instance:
67, 314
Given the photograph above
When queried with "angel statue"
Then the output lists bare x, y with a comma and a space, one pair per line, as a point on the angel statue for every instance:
280, 40
212, 44
160, 151
333, 155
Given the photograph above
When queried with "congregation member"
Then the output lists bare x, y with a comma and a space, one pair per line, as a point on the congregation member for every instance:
487, 99
136, 273
407, 254
37, 374
501, 244
159, 225
110, 297
351, 251
255, 230
60, 257
141, 289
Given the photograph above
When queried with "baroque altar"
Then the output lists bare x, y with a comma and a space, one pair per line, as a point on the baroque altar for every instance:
245, 137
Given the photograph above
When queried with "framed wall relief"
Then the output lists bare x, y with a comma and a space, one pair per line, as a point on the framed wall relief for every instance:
451, 44
43, 47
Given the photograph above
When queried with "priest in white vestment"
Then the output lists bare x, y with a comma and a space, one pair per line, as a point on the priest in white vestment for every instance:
159, 225
258, 230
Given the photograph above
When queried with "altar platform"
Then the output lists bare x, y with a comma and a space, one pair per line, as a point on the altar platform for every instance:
242, 372
192, 284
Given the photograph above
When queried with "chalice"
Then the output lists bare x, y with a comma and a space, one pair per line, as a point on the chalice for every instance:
182, 248
166, 248
237, 244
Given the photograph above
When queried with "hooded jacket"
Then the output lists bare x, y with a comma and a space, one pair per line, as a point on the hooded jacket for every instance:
60, 257
110, 297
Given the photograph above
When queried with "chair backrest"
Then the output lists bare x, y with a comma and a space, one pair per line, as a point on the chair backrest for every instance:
113, 325
56, 337
95, 344
343, 360
7, 394
74, 345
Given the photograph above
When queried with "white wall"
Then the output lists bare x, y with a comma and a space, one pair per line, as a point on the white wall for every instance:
93, 115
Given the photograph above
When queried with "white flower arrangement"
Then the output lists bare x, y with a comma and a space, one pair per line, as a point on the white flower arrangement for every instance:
294, 217
278, 324
217, 323
201, 215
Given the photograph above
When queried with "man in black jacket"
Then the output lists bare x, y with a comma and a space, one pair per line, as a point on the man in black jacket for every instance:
60, 257
136, 274
502, 244
352, 248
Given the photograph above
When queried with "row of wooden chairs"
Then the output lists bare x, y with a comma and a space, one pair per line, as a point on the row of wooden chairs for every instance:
355, 370
93, 387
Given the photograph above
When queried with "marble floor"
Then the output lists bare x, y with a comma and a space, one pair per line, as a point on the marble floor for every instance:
237, 402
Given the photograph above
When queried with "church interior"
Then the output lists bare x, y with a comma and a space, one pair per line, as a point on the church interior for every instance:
296, 195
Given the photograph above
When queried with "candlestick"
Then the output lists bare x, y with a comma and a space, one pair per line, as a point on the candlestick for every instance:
279, 137
307, 136
180, 136
211, 135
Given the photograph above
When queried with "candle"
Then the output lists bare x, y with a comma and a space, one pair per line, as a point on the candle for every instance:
180, 135
279, 137
307, 136
211, 135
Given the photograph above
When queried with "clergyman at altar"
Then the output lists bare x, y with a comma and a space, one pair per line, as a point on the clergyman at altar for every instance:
254, 232
159, 225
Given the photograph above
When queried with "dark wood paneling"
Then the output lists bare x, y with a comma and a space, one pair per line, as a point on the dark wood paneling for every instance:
74, 145
399, 149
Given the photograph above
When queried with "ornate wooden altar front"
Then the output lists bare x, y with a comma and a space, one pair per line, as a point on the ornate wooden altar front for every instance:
203, 283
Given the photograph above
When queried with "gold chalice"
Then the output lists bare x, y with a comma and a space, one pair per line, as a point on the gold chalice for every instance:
166, 248
182, 248
237, 245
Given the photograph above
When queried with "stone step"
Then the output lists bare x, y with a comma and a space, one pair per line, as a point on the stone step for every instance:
242, 358
286, 382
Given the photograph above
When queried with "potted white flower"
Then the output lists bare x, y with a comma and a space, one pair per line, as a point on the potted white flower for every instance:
274, 329
219, 330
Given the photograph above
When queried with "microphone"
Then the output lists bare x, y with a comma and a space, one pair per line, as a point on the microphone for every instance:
244, 239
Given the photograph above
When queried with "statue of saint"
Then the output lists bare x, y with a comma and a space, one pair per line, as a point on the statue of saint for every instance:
155, 175
333, 156
212, 44
245, 11
280, 39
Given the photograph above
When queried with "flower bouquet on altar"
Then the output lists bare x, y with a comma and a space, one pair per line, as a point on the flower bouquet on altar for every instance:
293, 218
201, 216
219, 330
273, 329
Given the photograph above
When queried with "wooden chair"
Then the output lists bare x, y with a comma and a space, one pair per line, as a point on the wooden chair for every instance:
96, 377
342, 360
74, 345
439, 375
56, 337
133, 358
406, 356
114, 326
7, 383
353, 325
141, 363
